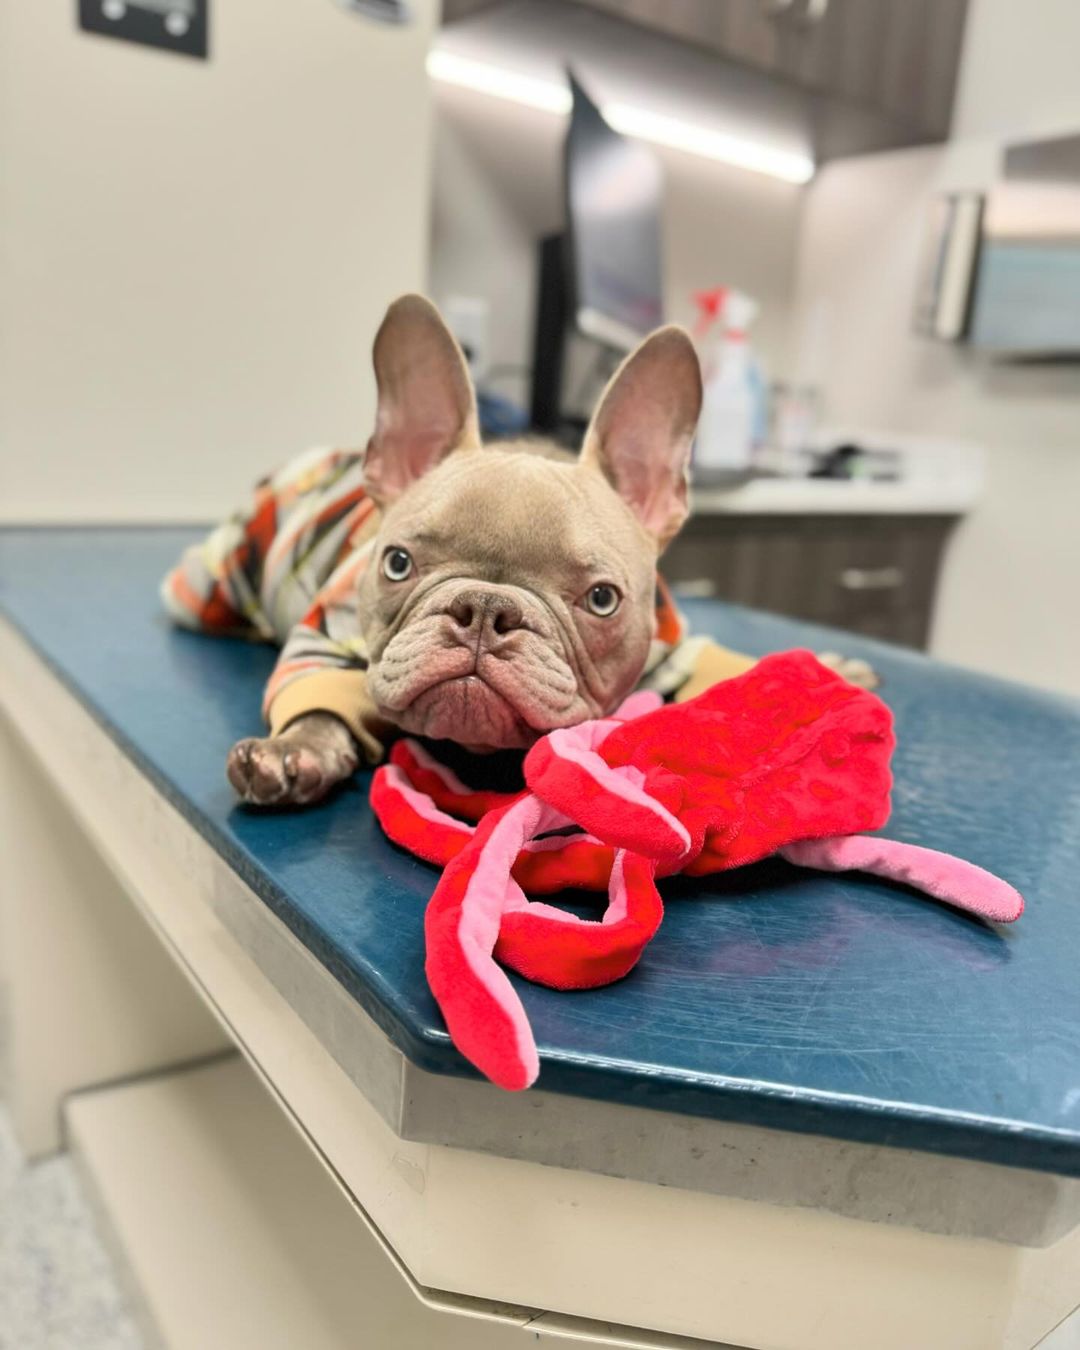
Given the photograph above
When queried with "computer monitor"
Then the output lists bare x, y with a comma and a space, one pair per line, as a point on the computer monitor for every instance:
613, 208
601, 277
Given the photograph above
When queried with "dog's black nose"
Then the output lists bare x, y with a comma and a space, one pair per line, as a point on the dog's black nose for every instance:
476, 610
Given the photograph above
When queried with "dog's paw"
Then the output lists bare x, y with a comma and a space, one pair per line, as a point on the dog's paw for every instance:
285, 771
855, 671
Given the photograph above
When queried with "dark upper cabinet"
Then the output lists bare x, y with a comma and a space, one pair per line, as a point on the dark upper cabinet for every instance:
877, 73
898, 57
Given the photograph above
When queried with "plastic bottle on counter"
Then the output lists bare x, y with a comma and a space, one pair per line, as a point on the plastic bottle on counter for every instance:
733, 414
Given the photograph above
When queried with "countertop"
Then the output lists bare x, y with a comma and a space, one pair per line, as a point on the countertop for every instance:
833, 497
937, 477
835, 1005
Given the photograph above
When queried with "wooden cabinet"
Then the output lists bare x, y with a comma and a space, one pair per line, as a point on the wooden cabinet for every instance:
897, 57
891, 65
875, 575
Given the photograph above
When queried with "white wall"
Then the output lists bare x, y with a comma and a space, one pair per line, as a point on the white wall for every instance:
196, 254
497, 189
1010, 601
1019, 71
487, 210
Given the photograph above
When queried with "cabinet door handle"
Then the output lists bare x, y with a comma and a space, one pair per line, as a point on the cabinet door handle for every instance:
806, 12
382, 11
695, 588
871, 578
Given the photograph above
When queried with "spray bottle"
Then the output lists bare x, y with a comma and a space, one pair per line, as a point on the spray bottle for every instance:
733, 411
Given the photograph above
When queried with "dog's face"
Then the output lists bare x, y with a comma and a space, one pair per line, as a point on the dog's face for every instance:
511, 588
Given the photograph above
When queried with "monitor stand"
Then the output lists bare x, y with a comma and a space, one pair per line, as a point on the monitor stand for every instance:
556, 350
553, 310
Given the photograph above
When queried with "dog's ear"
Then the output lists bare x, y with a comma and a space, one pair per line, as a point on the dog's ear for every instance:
426, 404
641, 433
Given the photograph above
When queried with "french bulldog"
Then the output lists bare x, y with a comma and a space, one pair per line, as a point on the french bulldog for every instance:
511, 587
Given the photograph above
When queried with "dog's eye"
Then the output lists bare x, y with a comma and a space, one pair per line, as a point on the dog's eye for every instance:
603, 601
397, 564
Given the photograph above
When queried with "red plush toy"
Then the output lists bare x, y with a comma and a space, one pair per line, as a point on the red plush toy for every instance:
788, 758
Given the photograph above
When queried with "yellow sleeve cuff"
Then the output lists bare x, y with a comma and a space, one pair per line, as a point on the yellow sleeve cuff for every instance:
713, 664
341, 692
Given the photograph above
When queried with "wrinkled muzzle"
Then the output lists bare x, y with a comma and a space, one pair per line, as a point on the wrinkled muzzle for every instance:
484, 665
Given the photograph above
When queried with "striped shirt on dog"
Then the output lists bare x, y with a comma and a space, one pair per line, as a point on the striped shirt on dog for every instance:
286, 569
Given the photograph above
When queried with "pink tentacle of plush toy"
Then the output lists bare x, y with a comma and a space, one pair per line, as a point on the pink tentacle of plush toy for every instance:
956, 882
786, 759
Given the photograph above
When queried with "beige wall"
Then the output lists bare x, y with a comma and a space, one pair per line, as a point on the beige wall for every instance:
1019, 70
1009, 602
195, 255
497, 189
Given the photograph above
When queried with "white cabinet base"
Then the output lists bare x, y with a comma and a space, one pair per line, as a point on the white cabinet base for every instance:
229, 1233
